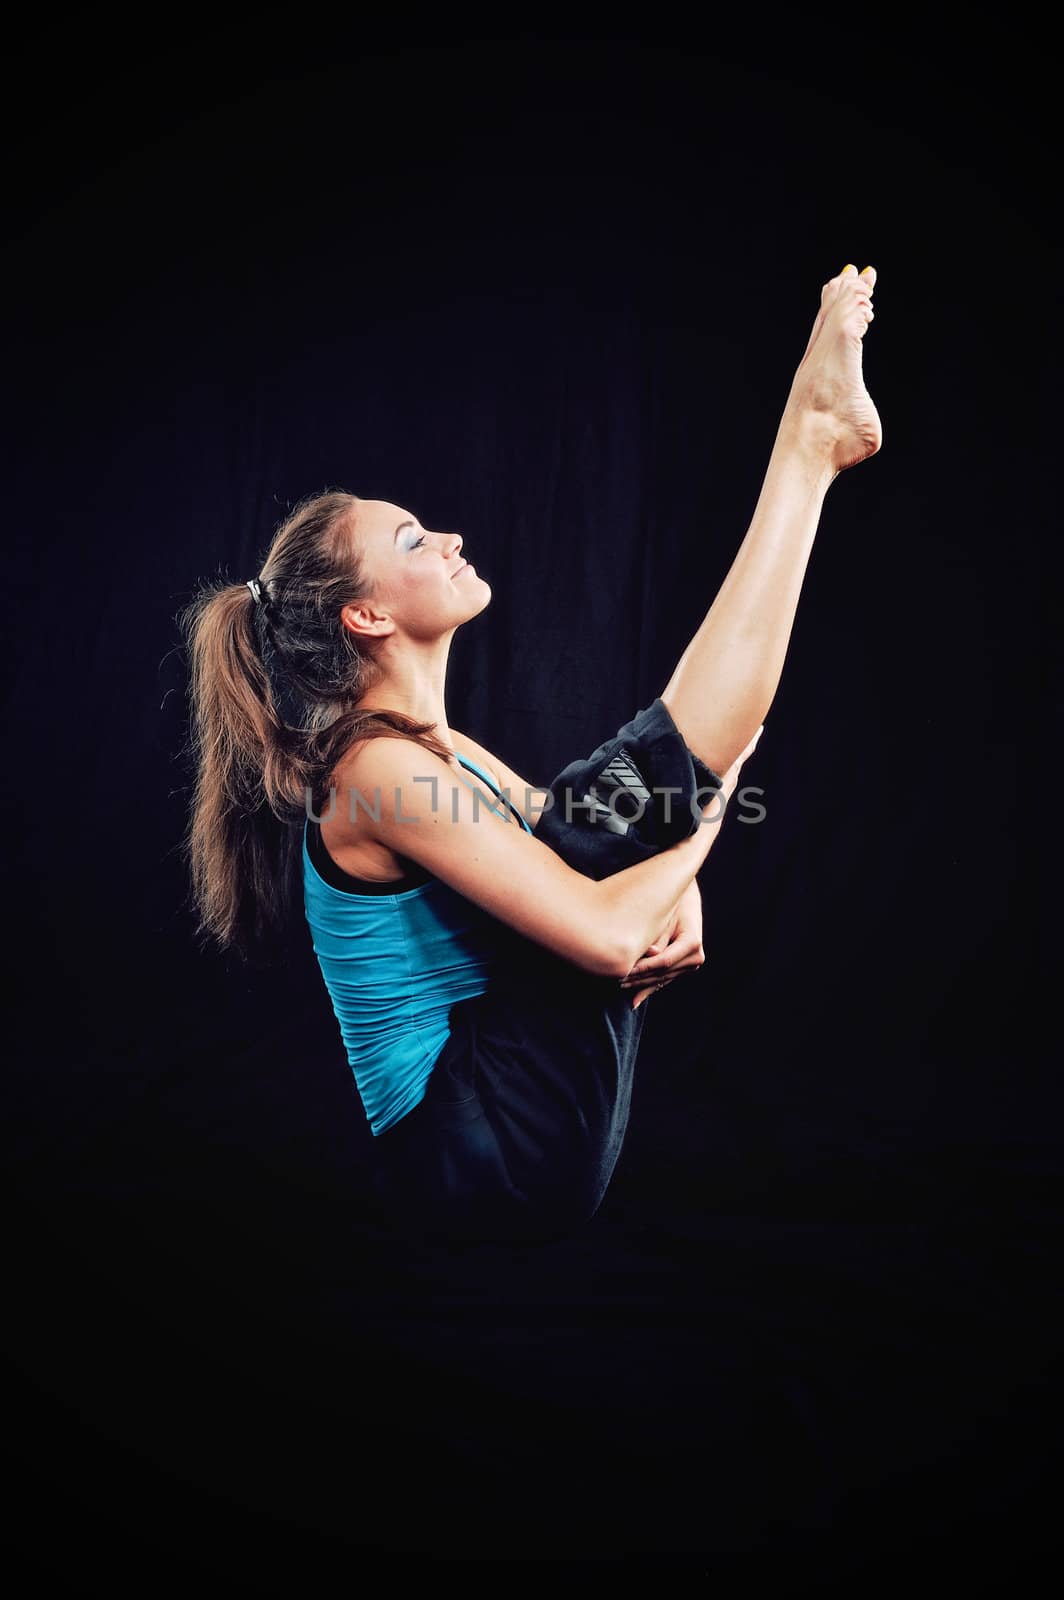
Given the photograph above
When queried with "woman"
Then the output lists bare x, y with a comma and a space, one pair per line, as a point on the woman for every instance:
487, 946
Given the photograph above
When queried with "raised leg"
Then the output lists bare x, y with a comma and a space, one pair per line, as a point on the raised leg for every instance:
726, 679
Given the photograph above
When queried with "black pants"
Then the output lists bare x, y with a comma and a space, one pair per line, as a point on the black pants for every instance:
526, 1108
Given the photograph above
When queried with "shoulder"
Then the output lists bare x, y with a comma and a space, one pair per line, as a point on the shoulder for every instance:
378, 766
390, 757
520, 790
476, 752
376, 779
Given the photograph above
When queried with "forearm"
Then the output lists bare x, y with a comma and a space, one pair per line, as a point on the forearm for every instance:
639, 904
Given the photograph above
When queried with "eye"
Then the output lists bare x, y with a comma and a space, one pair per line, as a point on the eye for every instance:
419, 540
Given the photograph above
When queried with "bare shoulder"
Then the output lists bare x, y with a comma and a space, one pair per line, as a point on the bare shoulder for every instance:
520, 790
389, 757
476, 752
375, 769
370, 772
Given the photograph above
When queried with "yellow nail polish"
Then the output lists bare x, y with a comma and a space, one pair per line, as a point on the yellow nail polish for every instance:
866, 269
847, 269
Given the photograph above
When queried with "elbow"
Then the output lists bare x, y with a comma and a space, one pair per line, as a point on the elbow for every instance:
612, 953
613, 959
603, 959
621, 967
605, 947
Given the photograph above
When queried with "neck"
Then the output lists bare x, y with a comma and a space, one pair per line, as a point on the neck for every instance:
412, 681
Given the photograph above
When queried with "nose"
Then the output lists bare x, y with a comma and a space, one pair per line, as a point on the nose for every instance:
457, 545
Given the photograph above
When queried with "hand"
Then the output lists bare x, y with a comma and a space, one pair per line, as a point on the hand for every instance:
678, 951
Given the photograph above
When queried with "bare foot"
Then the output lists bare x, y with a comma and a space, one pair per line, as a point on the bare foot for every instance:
828, 394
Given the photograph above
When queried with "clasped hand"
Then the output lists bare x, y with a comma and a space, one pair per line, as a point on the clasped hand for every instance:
679, 950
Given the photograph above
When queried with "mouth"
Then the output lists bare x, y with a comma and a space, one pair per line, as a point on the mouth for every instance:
461, 569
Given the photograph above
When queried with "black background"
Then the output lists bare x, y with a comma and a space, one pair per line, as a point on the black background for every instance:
548, 290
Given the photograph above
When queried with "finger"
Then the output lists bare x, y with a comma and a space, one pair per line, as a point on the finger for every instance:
651, 964
678, 953
648, 986
652, 952
644, 994
696, 959
692, 964
635, 980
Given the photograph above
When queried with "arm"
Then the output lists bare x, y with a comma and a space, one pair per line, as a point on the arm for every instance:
416, 805
677, 950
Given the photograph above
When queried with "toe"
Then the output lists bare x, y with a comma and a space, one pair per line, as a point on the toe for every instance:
850, 276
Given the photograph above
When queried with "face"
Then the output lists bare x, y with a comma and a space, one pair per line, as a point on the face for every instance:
420, 584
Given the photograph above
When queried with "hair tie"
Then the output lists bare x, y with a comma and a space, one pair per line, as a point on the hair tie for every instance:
256, 589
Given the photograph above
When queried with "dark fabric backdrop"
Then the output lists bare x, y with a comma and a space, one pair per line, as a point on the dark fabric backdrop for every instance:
549, 291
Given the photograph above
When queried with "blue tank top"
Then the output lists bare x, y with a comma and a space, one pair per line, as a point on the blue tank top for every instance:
394, 965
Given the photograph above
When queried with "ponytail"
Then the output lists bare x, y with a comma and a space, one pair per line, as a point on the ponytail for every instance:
273, 681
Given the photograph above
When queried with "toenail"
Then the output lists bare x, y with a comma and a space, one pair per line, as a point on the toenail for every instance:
848, 269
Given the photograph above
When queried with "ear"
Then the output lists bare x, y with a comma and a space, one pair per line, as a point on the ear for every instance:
366, 619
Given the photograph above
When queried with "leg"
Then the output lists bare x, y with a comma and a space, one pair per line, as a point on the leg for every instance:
726, 679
